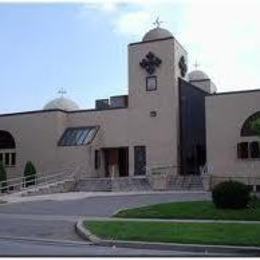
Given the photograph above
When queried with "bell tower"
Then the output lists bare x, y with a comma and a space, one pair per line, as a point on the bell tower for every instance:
154, 66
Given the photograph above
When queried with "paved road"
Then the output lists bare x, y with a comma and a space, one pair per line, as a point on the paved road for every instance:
23, 247
102, 206
55, 220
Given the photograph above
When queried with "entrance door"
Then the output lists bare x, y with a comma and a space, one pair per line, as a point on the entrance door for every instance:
116, 160
140, 160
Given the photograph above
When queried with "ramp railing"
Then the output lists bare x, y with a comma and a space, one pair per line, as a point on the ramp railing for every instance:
34, 181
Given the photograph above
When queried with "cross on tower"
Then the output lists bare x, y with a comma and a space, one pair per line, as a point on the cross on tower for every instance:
196, 64
157, 22
62, 92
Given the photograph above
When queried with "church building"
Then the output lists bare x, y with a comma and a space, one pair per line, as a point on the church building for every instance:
170, 119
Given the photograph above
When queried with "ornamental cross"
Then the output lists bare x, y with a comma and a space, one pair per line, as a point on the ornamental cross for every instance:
150, 63
157, 22
182, 66
62, 92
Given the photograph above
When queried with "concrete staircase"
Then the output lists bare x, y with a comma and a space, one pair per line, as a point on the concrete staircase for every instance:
185, 182
123, 184
117, 184
131, 184
94, 184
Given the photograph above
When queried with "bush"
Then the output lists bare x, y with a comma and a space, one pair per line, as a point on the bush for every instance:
29, 174
3, 177
231, 194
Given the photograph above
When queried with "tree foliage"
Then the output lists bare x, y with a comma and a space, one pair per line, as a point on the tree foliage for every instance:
29, 174
3, 177
231, 195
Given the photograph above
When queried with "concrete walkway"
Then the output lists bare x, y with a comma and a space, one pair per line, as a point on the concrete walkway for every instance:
16, 198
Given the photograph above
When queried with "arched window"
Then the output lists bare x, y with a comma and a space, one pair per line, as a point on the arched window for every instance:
6, 140
247, 129
7, 146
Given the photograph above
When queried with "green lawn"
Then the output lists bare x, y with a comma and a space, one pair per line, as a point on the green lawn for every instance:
191, 210
201, 233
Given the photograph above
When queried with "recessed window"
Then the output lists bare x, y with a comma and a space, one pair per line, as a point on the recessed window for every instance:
13, 159
151, 83
78, 136
254, 150
153, 113
7, 159
247, 150
97, 159
242, 150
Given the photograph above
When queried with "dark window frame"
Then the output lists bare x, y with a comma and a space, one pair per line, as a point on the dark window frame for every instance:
147, 79
246, 129
7, 141
7, 159
97, 159
242, 152
13, 159
72, 135
140, 150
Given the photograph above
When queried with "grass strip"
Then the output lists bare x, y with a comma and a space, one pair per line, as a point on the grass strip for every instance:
191, 210
186, 233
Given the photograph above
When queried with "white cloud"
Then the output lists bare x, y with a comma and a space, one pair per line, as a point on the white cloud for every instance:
134, 23
222, 35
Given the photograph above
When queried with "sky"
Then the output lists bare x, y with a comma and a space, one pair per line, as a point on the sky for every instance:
82, 47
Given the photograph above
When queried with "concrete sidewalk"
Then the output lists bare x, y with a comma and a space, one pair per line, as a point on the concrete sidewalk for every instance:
16, 198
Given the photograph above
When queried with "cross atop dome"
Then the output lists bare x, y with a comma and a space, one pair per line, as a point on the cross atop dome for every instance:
196, 65
62, 92
157, 22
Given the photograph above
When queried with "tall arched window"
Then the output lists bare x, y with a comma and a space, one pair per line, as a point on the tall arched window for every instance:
7, 149
6, 140
247, 129
249, 149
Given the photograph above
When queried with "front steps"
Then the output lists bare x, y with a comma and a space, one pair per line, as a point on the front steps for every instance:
116, 185
94, 184
131, 184
127, 184
185, 182
123, 184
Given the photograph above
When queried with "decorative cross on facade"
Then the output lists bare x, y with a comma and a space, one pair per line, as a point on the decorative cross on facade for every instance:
150, 63
183, 66
62, 92
157, 22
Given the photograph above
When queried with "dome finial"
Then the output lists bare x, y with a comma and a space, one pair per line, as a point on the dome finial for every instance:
196, 65
157, 22
62, 92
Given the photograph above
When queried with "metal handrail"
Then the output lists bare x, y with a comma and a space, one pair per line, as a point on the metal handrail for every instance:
20, 183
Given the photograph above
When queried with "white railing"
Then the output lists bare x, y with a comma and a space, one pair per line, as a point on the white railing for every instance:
39, 179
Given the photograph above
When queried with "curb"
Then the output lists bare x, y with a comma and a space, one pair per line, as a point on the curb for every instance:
196, 248
85, 233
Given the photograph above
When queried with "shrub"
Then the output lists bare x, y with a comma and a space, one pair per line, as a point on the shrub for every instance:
29, 174
231, 194
3, 177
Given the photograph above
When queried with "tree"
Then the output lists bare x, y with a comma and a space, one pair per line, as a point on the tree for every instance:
29, 174
3, 177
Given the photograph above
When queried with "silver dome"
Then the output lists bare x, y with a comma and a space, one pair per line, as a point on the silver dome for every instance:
157, 33
61, 103
197, 75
